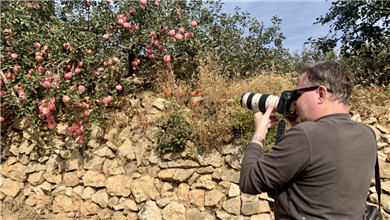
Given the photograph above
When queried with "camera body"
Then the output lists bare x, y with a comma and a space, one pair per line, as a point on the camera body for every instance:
260, 102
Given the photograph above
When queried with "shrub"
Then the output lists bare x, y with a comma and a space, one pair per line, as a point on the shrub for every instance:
174, 131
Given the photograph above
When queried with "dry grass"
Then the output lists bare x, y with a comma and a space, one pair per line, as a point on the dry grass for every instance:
212, 120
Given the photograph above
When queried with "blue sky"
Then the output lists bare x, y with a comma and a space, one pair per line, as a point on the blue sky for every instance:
297, 17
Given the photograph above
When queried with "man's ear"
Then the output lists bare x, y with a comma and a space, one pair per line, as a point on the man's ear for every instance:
322, 94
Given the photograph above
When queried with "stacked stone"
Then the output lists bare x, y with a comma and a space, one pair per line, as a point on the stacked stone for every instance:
120, 174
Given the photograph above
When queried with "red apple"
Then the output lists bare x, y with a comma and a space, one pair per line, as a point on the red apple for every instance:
178, 36
39, 59
193, 23
171, 33
65, 98
16, 69
88, 4
143, 2
167, 58
106, 36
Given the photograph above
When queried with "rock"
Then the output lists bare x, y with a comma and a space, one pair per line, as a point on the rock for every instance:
254, 207
118, 185
93, 162
370, 121
104, 214
31, 201
71, 179
113, 201
385, 186
144, 189
104, 152
19, 123
230, 175
383, 129
233, 205
78, 190
180, 175
53, 163
89, 208
96, 132
126, 204
163, 202
222, 215
126, 150
34, 167
224, 186
196, 214
26, 147
94, 179
100, 198
213, 198
205, 170
63, 203
178, 164
174, 211
17, 172
34, 156
61, 128
32, 134
112, 145
125, 133
150, 211
159, 103
74, 161
36, 178
233, 161
87, 193
14, 150
384, 167
113, 167
196, 197
93, 144
11, 188
386, 138
386, 202
261, 217
205, 182
183, 193
214, 159
52, 178
111, 135
69, 191
234, 190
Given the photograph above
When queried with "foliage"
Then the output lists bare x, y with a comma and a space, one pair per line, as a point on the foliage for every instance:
63, 60
365, 43
174, 131
242, 126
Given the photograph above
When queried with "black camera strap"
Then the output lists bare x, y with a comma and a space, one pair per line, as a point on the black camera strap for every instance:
281, 129
378, 181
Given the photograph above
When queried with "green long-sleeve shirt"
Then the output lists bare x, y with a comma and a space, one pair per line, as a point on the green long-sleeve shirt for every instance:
320, 170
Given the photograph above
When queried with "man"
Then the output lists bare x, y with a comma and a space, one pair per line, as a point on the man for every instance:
322, 167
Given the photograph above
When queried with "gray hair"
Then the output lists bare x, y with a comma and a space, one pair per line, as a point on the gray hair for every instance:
333, 76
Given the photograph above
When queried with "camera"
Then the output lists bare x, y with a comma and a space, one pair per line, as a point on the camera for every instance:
260, 102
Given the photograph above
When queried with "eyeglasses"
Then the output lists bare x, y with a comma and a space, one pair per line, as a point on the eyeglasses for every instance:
299, 92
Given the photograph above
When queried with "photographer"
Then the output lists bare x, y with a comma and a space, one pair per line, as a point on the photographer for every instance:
322, 167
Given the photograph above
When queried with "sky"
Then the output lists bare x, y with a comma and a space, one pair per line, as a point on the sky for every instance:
297, 17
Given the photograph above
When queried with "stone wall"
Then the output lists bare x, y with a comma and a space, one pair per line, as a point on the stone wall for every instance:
120, 174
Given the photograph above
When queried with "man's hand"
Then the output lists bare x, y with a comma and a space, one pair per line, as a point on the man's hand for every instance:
263, 122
